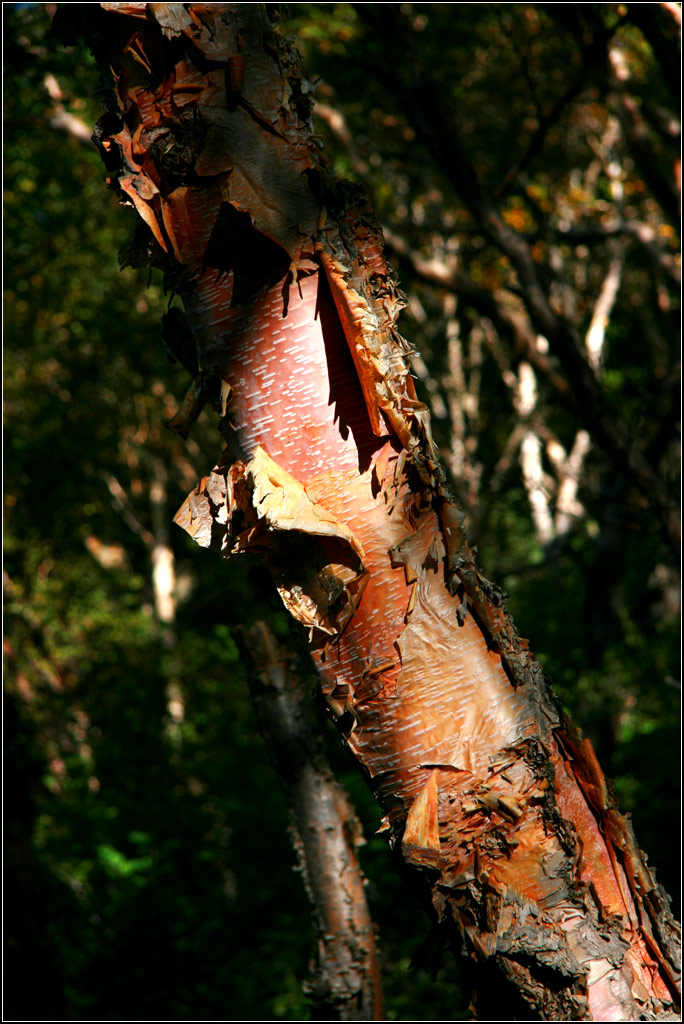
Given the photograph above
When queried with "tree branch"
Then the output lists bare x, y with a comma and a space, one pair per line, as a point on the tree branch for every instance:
493, 304
432, 117
61, 118
592, 59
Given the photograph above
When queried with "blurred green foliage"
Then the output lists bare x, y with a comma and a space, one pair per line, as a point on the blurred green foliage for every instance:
149, 873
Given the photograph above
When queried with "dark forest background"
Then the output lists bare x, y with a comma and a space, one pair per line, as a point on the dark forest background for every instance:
149, 873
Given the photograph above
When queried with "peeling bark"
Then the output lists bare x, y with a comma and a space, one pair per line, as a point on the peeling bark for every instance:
331, 472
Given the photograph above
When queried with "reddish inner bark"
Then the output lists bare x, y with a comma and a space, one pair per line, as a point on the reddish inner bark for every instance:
434, 710
297, 395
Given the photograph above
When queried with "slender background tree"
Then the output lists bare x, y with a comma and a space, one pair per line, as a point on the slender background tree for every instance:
128, 818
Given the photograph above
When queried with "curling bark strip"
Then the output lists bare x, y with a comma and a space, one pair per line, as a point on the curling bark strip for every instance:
330, 473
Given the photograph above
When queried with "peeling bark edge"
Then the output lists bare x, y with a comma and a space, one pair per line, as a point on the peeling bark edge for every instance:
345, 243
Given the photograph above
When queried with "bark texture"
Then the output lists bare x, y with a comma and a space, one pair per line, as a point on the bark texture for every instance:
345, 981
331, 474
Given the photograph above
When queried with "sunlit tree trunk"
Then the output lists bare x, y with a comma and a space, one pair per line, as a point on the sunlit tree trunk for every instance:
330, 474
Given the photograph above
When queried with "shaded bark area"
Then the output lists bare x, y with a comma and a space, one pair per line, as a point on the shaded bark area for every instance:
330, 473
345, 982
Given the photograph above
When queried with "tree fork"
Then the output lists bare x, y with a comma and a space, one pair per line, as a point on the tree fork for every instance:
330, 473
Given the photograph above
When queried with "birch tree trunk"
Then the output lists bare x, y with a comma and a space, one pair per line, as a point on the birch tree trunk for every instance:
326, 834
331, 475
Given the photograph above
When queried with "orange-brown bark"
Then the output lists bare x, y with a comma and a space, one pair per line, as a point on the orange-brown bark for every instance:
331, 474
